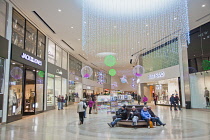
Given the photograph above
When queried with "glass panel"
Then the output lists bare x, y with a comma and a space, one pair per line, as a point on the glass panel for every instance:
64, 61
31, 36
39, 90
41, 45
1, 75
71, 90
15, 89
64, 86
30, 92
50, 90
58, 56
58, 85
51, 52
3, 9
18, 29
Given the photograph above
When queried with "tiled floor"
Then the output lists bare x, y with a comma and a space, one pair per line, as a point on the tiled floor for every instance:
63, 125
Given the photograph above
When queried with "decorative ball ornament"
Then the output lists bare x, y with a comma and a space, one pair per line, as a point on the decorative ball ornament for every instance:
110, 60
16, 73
86, 71
138, 71
112, 72
41, 73
124, 79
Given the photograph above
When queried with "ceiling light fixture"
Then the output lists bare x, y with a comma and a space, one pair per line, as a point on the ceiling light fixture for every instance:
72, 27
78, 39
203, 5
59, 10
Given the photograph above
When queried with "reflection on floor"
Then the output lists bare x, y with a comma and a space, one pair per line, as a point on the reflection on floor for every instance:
63, 125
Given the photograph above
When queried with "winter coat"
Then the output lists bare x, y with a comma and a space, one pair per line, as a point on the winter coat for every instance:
135, 113
80, 107
145, 114
145, 99
151, 113
91, 103
172, 99
121, 114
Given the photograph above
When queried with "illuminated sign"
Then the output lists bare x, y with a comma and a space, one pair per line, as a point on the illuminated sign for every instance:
31, 59
157, 75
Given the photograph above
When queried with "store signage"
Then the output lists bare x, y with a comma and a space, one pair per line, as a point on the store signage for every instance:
58, 71
31, 59
157, 75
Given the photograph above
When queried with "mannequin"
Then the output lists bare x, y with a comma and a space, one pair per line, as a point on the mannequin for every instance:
206, 95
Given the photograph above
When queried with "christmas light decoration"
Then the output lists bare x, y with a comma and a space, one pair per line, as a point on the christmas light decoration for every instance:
41, 73
101, 77
16, 73
110, 60
124, 27
112, 72
138, 71
124, 79
86, 72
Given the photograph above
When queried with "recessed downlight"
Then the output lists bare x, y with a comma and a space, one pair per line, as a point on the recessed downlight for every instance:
72, 27
203, 5
59, 10
79, 39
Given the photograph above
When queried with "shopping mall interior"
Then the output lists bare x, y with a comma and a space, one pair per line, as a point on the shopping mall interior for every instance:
91, 69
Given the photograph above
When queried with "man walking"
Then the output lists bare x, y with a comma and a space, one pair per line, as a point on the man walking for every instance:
80, 109
172, 101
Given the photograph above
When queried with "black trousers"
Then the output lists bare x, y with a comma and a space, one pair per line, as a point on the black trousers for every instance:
147, 120
173, 104
90, 110
155, 102
81, 117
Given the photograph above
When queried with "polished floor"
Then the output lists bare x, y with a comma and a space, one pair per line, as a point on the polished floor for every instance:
63, 125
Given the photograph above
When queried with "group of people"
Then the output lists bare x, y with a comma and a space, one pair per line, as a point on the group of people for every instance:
174, 100
146, 114
82, 107
61, 100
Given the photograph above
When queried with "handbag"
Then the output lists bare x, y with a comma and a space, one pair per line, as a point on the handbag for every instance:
151, 124
84, 106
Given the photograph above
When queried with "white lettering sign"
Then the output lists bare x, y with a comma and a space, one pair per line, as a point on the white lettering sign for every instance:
59, 71
157, 75
31, 59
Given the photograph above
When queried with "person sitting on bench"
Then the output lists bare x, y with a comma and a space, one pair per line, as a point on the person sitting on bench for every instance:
133, 116
121, 114
146, 116
154, 117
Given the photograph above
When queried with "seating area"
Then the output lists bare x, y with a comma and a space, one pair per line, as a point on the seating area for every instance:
129, 122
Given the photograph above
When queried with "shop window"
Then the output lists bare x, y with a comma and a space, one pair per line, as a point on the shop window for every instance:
41, 46
18, 29
1, 74
64, 86
58, 85
50, 90
39, 90
30, 39
51, 52
64, 60
15, 89
58, 56
3, 16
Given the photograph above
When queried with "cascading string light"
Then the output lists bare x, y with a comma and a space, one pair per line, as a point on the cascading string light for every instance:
126, 27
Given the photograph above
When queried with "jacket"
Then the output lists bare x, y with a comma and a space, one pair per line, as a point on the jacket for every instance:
176, 99
135, 113
139, 98
145, 114
90, 103
80, 107
172, 99
121, 114
151, 113
145, 99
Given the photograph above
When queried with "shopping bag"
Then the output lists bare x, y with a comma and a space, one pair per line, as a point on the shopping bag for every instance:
151, 124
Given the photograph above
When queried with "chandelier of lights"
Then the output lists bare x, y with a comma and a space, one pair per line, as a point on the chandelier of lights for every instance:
123, 27
101, 77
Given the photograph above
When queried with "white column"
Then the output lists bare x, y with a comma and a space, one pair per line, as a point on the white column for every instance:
7, 63
46, 79
184, 73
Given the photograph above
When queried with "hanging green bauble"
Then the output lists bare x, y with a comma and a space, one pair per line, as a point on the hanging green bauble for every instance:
110, 60
41, 73
206, 65
112, 72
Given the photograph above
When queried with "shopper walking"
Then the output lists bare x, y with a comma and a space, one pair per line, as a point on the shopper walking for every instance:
80, 109
172, 101
155, 99
145, 99
139, 99
90, 104
58, 101
85, 102
66, 100
177, 101
62, 101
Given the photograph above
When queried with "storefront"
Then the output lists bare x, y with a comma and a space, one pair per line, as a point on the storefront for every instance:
75, 88
162, 83
3, 56
57, 85
27, 68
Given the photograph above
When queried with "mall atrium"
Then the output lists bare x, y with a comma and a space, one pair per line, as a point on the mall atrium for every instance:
104, 69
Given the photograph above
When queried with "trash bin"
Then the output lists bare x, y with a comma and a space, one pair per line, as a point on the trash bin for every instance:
188, 104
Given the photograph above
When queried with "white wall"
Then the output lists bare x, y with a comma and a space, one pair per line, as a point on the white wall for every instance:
197, 84
78, 89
